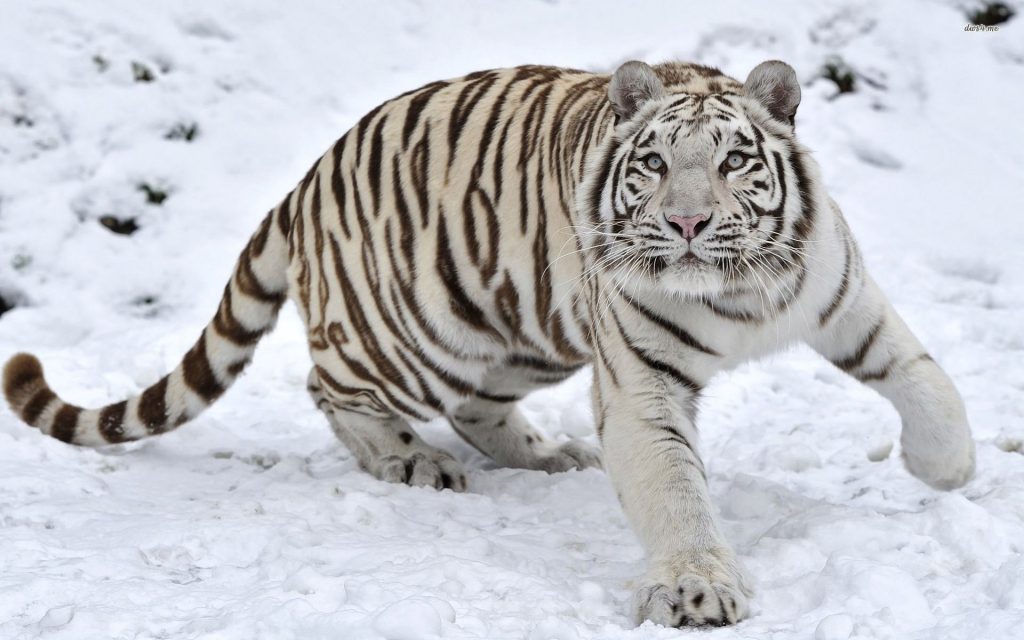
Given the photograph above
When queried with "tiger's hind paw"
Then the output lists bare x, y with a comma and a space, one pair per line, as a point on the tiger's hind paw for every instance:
422, 468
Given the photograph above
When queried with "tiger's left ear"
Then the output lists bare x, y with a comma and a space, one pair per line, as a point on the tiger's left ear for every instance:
774, 85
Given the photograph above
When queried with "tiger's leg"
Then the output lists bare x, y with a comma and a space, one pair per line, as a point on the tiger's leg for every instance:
866, 338
644, 402
386, 446
496, 427
693, 576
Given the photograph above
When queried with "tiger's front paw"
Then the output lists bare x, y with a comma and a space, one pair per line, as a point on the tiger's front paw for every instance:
945, 461
709, 590
574, 454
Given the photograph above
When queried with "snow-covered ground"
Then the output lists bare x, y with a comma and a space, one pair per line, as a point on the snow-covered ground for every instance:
253, 522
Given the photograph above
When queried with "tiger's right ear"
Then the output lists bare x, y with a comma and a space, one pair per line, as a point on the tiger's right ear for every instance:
633, 85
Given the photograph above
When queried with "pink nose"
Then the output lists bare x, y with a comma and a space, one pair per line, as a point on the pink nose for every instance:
687, 225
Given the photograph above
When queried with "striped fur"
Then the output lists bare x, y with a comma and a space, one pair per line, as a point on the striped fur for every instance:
477, 238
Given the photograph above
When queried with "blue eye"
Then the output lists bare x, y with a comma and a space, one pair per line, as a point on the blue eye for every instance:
654, 162
735, 160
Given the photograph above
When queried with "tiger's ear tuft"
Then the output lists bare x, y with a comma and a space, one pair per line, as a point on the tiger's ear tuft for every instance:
774, 84
633, 84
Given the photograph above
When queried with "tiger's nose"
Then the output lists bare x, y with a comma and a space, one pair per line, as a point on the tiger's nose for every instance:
689, 226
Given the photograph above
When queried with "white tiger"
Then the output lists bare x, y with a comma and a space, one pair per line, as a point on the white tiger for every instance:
476, 238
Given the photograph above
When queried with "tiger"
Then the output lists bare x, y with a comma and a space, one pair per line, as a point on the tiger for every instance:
478, 238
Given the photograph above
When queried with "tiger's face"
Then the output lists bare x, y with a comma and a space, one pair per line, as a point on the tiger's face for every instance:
695, 196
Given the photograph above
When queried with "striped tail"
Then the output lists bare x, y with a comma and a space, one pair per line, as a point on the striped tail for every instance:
247, 311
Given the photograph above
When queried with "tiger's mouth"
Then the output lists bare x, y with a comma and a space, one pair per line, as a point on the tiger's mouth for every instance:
691, 260
691, 275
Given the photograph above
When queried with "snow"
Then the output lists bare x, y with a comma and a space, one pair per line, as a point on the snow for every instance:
253, 522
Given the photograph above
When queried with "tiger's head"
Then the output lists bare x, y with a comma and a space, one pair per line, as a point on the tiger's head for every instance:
701, 189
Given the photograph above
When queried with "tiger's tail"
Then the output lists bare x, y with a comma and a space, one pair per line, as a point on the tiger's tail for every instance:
247, 311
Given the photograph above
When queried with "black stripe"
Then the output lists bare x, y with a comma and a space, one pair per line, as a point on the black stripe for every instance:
361, 127
426, 393
198, 373
840, 294
373, 168
616, 180
524, 205
364, 224
533, 362
490, 264
657, 365
605, 360
805, 222
601, 113
599, 410
338, 185
351, 392
37, 404
250, 285
420, 174
415, 110
111, 422
65, 422
878, 374
153, 407
469, 228
284, 213
674, 435
854, 360
493, 397
258, 242
532, 123
238, 366
228, 326
541, 262
499, 161
681, 334
363, 373
406, 224
469, 95
730, 314
461, 304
